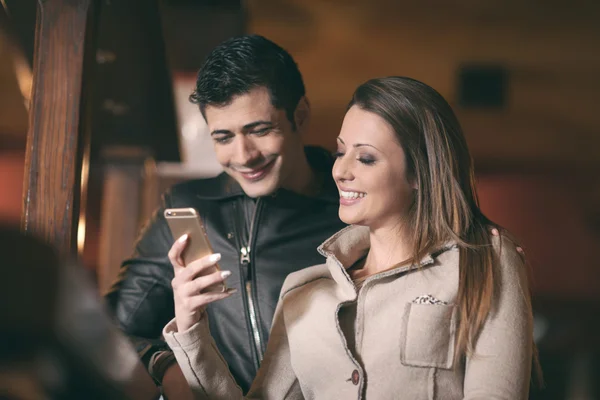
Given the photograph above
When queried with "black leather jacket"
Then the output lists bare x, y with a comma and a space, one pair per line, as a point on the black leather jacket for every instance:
261, 242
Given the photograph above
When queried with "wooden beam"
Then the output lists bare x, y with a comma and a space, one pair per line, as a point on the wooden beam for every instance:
58, 118
120, 221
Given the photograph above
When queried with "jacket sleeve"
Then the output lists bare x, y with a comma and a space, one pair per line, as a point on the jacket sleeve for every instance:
141, 299
208, 375
500, 367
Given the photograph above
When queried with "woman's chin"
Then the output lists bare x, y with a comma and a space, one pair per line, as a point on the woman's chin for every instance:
351, 218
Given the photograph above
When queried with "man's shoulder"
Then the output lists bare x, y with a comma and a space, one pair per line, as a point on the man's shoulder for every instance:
305, 276
219, 187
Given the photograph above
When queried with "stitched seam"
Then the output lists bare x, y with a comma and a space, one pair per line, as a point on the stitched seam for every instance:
321, 249
427, 364
360, 302
189, 363
303, 284
345, 343
189, 345
291, 388
137, 307
432, 374
404, 332
345, 272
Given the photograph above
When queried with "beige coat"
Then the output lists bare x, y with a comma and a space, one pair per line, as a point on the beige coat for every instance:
394, 339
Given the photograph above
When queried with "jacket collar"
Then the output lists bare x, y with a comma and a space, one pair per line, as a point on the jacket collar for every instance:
347, 246
224, 186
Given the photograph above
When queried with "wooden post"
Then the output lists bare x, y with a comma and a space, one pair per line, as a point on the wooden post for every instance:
121, 211
58, 119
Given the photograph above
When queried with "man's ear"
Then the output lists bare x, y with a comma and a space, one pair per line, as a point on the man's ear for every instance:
302, 115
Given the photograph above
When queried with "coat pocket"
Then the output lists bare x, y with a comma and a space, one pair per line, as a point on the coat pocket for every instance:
428, 335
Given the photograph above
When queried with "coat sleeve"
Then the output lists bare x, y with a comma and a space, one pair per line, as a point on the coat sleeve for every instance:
500, 367
208, 375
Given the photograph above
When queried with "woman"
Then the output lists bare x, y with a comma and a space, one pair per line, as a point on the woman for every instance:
422, 297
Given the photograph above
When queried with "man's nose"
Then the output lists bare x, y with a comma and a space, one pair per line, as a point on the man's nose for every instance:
245, 152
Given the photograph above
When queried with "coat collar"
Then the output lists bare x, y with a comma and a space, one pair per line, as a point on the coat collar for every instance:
347, 246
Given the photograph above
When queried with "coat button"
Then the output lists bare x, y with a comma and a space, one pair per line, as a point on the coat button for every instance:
355, 377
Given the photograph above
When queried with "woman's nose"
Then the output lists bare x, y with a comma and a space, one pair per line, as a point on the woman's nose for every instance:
342, 169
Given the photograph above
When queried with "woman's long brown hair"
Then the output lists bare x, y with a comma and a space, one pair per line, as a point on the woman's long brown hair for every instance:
446, 206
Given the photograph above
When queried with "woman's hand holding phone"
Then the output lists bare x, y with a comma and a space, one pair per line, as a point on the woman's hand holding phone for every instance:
190, 283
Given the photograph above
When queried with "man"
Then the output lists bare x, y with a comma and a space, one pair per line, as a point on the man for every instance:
266, 214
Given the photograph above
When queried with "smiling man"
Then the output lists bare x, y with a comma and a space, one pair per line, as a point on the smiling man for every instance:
266, 214
259, 146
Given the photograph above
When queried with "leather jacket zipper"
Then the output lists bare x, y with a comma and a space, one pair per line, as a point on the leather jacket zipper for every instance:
246, 260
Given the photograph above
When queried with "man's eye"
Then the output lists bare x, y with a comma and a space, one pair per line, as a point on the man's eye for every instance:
261, 132
222, 139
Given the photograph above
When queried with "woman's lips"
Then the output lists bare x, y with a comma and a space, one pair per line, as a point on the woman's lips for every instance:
349, 202
350, 197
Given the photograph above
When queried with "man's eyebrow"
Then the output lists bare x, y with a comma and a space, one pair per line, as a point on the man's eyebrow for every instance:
221, 132
246, 127
254, 124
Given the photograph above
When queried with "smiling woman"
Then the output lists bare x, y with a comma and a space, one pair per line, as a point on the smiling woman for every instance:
371, 171
427, 191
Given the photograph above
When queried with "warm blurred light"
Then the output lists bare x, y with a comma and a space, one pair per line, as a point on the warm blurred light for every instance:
24, 76
196, 148
81, 225
81, 233
3, 2
22, 69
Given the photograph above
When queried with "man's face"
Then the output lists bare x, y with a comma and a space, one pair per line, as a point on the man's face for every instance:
254, 142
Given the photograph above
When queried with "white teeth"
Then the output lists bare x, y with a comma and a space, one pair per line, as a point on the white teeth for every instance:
352, 195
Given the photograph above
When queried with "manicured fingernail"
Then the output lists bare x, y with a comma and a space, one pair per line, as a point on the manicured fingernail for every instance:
215, 257
225, 274
183, 238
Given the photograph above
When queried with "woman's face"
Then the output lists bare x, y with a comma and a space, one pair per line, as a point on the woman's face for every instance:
370, 172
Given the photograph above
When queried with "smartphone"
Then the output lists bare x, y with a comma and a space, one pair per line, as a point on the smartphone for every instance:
187, 220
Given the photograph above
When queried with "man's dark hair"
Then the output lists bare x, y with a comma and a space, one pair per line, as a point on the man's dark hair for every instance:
243, 63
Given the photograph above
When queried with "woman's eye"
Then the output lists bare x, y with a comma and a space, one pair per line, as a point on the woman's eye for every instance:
367, 160
338, 154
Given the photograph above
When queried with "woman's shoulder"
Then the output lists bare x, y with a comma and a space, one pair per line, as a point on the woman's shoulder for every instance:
511, 268
506, 246
304, 277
